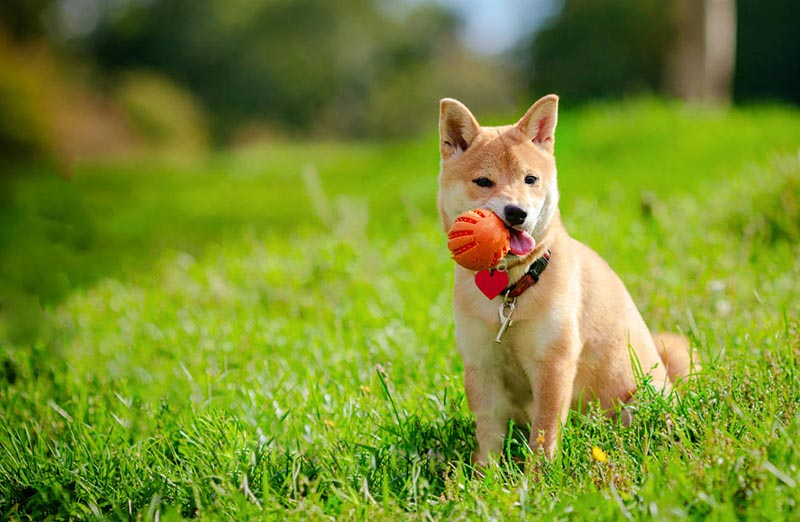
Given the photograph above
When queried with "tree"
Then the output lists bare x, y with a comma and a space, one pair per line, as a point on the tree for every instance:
22, 19
601, 48
700, 65
768, 50
346, 68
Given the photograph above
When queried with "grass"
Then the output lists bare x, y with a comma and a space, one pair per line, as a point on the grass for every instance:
206, 347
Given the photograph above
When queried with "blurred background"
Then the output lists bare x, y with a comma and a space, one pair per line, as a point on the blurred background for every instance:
93, 91
85, 78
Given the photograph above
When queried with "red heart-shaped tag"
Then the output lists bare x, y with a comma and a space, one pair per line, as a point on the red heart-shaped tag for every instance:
491, 282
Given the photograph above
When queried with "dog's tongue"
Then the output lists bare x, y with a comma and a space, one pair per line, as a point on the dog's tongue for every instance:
522, 243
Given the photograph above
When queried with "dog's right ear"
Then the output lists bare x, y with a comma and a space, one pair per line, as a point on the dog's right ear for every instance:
457, 128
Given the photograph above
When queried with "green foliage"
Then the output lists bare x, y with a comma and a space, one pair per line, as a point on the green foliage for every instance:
25, 125
246, 341
614, 48
602, 49
773, 214
22, 19
334, 68
768, 46
47, 244
164, 115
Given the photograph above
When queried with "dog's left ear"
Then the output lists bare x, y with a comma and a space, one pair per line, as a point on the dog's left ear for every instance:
539, 123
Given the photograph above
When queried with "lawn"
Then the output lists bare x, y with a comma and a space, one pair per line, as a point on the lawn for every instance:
267, 333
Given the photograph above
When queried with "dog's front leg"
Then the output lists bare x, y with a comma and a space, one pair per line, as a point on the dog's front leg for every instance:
484, 361
552, 377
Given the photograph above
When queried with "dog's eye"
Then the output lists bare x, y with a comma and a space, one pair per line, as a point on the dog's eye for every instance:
483, 182
531, 180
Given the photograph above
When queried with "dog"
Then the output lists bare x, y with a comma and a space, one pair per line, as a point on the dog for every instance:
575, 334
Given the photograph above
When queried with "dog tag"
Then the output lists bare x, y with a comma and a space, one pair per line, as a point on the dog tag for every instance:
491, 282
505, 311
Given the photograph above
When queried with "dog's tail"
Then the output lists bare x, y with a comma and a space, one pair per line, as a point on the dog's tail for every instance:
674, 351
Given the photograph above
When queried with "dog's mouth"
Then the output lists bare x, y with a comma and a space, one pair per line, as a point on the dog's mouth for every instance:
522, 243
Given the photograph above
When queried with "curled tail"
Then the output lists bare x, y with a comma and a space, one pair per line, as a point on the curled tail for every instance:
674, 351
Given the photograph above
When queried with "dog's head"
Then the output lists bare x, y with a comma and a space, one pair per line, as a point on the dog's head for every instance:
510, 170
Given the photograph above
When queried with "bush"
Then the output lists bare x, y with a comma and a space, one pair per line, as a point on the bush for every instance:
26, 123
772, 214
163, 114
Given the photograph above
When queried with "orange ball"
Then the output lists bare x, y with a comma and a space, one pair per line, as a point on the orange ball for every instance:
478, 239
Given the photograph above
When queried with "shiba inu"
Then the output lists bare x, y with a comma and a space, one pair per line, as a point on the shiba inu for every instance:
565, 331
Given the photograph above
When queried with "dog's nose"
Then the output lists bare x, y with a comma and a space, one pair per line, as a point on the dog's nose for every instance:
514, 215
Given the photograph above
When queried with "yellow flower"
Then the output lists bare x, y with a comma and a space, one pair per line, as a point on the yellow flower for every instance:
365, 389
329, 423
599, 455
540, 438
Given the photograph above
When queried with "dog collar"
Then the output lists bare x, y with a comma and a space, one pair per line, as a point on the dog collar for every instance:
494, 282
528, 279
510, 294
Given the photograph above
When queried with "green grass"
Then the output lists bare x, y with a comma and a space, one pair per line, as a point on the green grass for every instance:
206, 347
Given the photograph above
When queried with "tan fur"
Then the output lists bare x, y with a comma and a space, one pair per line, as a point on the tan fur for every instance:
569, 342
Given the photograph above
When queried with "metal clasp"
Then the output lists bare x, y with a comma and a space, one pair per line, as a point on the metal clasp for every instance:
505, 311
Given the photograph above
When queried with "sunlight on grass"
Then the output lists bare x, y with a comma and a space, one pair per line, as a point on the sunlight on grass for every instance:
217, 351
